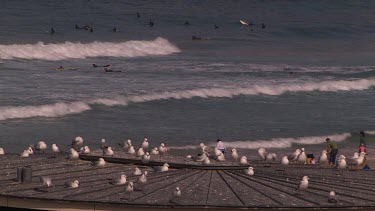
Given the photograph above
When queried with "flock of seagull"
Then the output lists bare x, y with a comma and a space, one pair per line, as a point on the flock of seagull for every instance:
143, 151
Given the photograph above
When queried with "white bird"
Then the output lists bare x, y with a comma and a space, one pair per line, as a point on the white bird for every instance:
126, 144
86, 150
271, 157
142, 179
323, 158
249, 171
137, 171
55, 148
164, 167
203, 147
293, 157
341, 163
30, 150
146, 157
145, 144
155, 151
77, 143
140, 152
302, 156
220, 157
206, 161
25, 154
189, 157
100, 162
1, 151
357, 161
201, 157
262, 153
41, 146
355, 155
103, 144
304, 184
234, 154
131, 150
163, 150
243, 160
177, 193
46, 181
73, 155
285, 160
108, 151
217, 151
119, 181
72, 184
332, 197
129, 189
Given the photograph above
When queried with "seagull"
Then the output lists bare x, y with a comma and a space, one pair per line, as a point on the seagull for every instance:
206, 161
285, 160
162, 168
217, 151
176, 194
77, 142
271, 157
341, 163
1, 151
163, 150
25, 154
203, 147
302, 156
73, 155
262, 153
86, 150
155, 151
131, 150
293, 157
137, 171
356, 161
146, 157
126, 144
332, 197
323, 158
100, 162
142, 179
201, 157
129, 189
103, 144
140, 152
46, 181
72, 184
30, 150
144, 144
55, 150
234, 154
108, 151
243, 160
119, 181
304, 184
249, 171
220, 157
41, 146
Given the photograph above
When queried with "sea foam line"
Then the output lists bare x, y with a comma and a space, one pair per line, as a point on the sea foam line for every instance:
70, 50
275, 142
61, 109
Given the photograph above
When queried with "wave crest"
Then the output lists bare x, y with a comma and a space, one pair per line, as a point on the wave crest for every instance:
69, 50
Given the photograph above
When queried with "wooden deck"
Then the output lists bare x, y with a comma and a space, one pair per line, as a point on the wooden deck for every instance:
224, 186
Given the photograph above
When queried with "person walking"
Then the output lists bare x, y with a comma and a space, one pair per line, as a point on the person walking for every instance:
362, 138
332, 151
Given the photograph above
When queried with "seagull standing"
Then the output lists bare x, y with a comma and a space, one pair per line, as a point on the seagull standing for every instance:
304, 184
146, 157
243, 160
293, 157
323, 158
131, 150
1, 151
108, 151
55, 150
40, 146
249, 171
285, 160
234, 154
155, 151
86, 150
356, 160
163, 150
201, 157
302, 156
24, 154
73, 155
206, 161
77, 143
164, 167
141, 181
46, 181
103, 144
262, 153
271, 157
203, 147
30, 150
129, 189
126, 144
140, 152
341, 163
176, 194
220, 157
145, 144
72, 184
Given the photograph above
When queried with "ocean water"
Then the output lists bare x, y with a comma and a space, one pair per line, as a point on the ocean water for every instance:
309, 74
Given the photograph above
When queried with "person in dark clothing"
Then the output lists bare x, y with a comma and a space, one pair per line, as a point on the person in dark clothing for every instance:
263, 26
138, 15
362, 138
186, 23
151, 23
332, 151
52, 31
215, 26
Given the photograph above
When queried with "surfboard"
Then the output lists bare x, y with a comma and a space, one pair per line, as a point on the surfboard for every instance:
243, 22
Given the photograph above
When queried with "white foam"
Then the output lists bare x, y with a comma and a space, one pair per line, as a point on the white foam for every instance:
275, 142
70, 50
61, 109
370, 132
